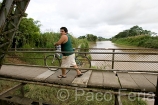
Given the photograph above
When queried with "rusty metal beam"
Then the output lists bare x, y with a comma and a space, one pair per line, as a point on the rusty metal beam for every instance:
11, 13
6, 98
2, 94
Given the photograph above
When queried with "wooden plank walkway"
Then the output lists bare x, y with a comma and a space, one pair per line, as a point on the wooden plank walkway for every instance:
126, 81
96, 79
83, 80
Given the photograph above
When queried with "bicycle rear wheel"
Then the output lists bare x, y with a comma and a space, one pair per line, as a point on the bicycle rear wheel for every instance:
52, 60
83, 62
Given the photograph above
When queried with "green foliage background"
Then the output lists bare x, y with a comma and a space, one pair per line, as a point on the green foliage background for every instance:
29, 36
136, 36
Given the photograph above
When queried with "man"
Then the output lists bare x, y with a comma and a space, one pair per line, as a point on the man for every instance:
68, 59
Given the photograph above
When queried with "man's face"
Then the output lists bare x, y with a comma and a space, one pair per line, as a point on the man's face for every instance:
62, 32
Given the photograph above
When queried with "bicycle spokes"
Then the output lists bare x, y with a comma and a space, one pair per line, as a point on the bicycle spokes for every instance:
52, 61
83, 62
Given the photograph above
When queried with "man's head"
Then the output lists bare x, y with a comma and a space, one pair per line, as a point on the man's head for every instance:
63, 30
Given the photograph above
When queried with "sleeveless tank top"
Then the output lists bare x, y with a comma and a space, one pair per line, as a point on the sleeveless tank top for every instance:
67, 47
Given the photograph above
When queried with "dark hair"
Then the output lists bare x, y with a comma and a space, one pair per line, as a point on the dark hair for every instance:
65, 29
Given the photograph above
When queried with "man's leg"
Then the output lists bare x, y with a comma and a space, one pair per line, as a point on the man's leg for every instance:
63, 75
73, 62
77, 70
63, 71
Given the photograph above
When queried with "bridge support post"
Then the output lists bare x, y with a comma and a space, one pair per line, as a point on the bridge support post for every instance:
156, 95
118, 100
22, 91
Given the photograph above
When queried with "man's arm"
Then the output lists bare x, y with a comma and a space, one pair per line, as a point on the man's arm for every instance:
61, 40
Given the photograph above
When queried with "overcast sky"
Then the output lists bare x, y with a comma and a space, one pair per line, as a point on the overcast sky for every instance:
103, 18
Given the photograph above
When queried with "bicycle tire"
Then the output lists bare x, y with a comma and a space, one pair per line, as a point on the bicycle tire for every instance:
52, 60
80, 60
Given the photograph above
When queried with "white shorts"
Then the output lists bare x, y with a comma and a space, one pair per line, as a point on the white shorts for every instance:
68, 61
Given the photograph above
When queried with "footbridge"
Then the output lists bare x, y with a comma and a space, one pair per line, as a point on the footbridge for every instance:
132, 70
111, 69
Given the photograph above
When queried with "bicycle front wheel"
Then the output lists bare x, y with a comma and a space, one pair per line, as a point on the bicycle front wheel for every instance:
52, 60
83, 62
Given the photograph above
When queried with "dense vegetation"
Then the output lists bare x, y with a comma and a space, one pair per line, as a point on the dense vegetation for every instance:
136, 36
29, 35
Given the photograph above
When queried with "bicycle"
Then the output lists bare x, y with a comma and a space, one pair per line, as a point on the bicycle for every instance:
82, 61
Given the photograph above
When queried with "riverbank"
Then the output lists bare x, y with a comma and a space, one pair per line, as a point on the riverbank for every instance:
138, 41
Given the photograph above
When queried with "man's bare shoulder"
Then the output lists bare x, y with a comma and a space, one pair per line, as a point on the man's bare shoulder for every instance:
64, 37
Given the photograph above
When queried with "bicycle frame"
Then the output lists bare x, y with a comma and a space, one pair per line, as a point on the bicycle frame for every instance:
57, 56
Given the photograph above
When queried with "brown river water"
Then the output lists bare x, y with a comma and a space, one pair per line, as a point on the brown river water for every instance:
149, 61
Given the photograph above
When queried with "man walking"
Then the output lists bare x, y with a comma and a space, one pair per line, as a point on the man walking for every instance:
68, 59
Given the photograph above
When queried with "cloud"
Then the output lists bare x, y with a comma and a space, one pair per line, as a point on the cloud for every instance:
99, 17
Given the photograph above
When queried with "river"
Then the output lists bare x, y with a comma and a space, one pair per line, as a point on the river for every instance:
107, 64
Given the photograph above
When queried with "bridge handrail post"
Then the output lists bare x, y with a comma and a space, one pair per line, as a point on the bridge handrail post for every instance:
113, 55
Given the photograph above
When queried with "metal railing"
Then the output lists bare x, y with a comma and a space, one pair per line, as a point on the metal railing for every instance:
118, 59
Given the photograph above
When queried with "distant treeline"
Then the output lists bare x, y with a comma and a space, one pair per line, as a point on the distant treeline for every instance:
136, 36
102, 39
92, 38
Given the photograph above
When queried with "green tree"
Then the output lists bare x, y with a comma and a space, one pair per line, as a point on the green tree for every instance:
74, 41
133, 31
28, 33
91, 37
84, 47
48, 39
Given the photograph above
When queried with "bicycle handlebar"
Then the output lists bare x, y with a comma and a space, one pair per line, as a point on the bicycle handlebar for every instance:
57, 47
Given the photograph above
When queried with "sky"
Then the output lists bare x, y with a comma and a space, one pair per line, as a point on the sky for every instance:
104, 18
